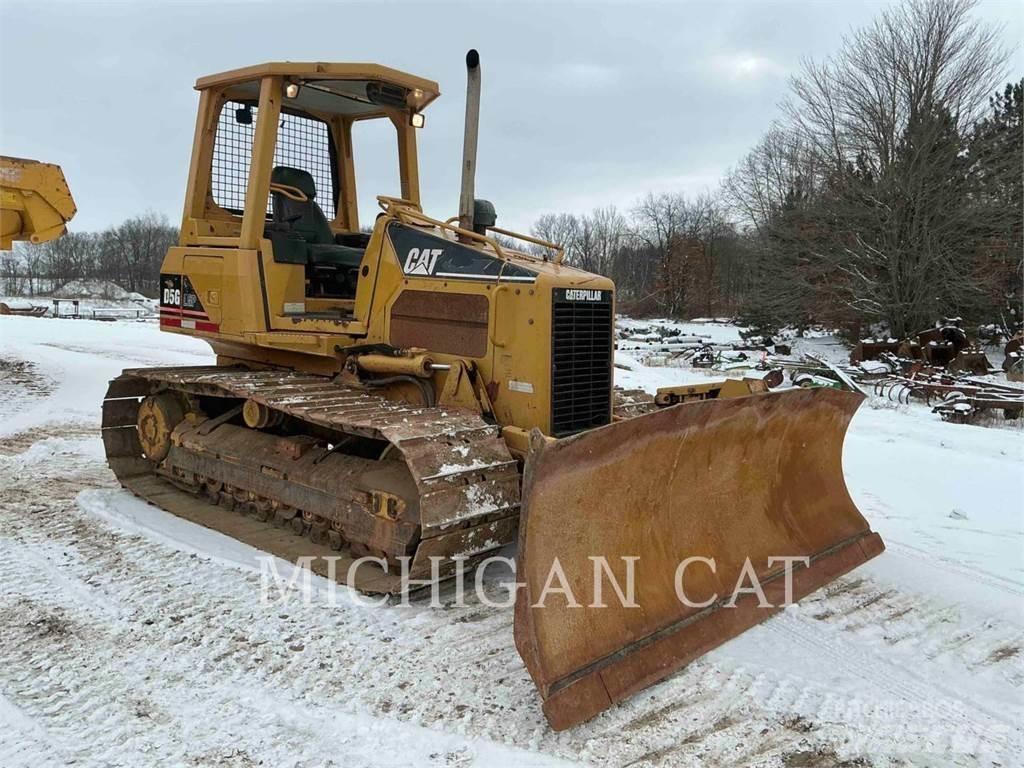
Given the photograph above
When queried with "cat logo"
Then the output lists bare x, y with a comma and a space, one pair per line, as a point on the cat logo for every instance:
421, 261
582, 294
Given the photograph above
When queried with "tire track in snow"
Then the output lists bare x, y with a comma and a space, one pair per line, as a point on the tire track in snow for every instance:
192, 625
922, 625
48, 577
973, 573
23, 742
189, 634
950, 706
197, 612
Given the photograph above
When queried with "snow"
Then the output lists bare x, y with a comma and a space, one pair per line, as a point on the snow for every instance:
75, 359
99, 297
456, 469
716, 332
18, 304
634, 372
137, 517
96, 289
131, 637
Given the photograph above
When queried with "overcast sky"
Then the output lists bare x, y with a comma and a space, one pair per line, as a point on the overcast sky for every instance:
583, 105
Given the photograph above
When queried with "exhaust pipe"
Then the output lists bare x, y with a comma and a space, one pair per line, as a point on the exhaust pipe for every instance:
466, 198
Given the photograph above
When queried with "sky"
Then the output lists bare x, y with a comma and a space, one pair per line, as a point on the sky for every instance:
583, 105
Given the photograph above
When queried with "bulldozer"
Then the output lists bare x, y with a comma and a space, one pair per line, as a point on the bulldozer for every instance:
35, 202
423, 392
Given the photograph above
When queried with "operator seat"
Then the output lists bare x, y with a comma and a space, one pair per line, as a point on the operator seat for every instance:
301, 235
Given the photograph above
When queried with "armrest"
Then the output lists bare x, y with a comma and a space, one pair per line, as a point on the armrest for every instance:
352, 239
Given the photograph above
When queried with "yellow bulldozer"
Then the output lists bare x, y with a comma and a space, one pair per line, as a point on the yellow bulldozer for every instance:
35, 202
430, 391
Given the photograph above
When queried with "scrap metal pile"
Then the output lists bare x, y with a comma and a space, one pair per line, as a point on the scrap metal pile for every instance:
960, 399
939, 367
955, 395
945, 370
945, 346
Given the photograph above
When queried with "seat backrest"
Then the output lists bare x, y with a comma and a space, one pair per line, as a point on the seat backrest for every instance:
311, 224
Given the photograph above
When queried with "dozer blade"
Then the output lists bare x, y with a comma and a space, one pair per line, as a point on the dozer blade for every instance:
753, 478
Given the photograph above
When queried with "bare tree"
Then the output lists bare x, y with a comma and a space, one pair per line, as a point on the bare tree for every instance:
779, 168
863, 205
11, 272
659, 222
73, 256
604, 232
676, 230
672, 255
33, 257
561, 229
136, 249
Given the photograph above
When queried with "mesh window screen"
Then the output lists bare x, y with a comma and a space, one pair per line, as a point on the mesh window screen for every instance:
302, 142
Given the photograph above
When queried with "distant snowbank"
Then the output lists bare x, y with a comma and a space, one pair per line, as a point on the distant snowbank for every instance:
90, 295
97, 289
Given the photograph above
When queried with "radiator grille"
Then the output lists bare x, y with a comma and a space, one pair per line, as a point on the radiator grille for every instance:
581, 360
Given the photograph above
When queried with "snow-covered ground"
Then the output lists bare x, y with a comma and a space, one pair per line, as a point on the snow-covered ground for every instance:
96, 298
131, 638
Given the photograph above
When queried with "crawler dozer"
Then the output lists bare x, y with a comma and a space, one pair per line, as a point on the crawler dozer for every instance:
435, 389
35, 202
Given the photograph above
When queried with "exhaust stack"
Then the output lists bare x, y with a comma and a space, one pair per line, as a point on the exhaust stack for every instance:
469, 139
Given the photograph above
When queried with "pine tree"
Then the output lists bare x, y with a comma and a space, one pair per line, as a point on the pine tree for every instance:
996, 155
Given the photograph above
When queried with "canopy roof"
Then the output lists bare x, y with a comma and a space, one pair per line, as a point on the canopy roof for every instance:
345, 89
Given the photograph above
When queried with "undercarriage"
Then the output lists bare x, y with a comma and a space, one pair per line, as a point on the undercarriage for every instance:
301, 466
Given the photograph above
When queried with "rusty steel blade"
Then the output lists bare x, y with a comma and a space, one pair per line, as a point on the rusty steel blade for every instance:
752, 477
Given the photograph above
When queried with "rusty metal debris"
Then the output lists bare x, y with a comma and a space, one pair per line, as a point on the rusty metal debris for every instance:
22, 308
1013, 362
960, 399
954, 394
957, 392
939, 367
945, 346
872, 349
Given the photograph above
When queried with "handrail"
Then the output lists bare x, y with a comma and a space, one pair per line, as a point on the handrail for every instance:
559, 250
408, 215
385, 202
402, 210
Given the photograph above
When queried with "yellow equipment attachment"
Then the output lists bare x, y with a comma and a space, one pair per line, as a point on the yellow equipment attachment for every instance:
709, 390
751, 480
35, 202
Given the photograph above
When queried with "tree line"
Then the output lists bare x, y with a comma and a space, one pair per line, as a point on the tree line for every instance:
669, 255
129, 255
887, 194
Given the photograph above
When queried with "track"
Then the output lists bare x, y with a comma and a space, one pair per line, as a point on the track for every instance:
466, 491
